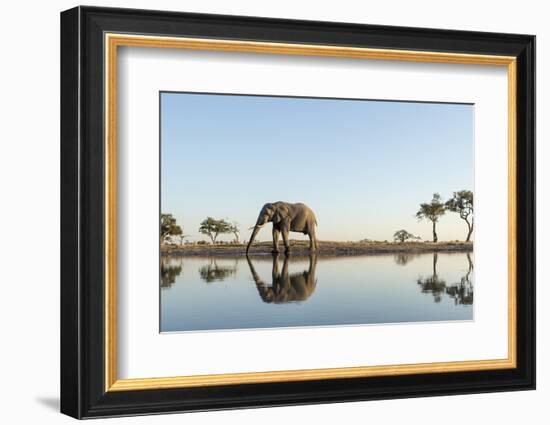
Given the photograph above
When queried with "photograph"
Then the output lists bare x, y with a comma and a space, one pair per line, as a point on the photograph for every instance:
285, 211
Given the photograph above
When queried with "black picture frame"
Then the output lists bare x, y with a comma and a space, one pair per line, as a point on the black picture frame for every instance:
83, 392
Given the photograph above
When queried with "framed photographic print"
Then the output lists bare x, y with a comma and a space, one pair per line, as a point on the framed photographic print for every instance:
261, 212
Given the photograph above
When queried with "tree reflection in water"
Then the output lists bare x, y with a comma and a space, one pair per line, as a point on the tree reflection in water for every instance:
462, 292
170, 268
433, 284
215, 273
402, 259
285, 287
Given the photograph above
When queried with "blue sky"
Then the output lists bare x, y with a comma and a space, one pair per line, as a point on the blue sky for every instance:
362, 166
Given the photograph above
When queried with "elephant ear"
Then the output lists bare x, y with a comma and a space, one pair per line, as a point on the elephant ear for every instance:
281, 214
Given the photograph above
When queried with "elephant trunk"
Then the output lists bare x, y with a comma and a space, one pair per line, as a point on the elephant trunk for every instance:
253, 236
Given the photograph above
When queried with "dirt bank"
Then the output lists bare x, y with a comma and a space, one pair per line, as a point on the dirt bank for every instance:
328, 248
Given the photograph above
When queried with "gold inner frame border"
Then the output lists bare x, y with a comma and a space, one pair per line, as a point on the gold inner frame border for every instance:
112, 41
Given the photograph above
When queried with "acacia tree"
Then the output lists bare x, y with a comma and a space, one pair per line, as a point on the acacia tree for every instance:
182, 238
169, 227
402, 236
212, 228
234, 228
462, 203
432, 211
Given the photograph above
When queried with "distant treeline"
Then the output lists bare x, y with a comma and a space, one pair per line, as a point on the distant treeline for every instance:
170, 231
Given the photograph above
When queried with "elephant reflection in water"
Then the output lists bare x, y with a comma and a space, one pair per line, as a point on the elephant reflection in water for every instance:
462, 292
285, 287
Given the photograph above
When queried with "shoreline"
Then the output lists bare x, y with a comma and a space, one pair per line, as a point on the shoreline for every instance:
326, 248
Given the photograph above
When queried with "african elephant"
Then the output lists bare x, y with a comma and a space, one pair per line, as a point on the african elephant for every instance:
286, 287
286, 217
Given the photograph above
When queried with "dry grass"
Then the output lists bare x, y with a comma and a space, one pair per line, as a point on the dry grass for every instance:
329, 248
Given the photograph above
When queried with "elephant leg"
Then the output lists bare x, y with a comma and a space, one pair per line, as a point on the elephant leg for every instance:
312, 241
285, 279
285, 240
275, 240
275, 270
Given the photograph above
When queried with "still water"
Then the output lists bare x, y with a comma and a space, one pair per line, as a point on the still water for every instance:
214, 293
